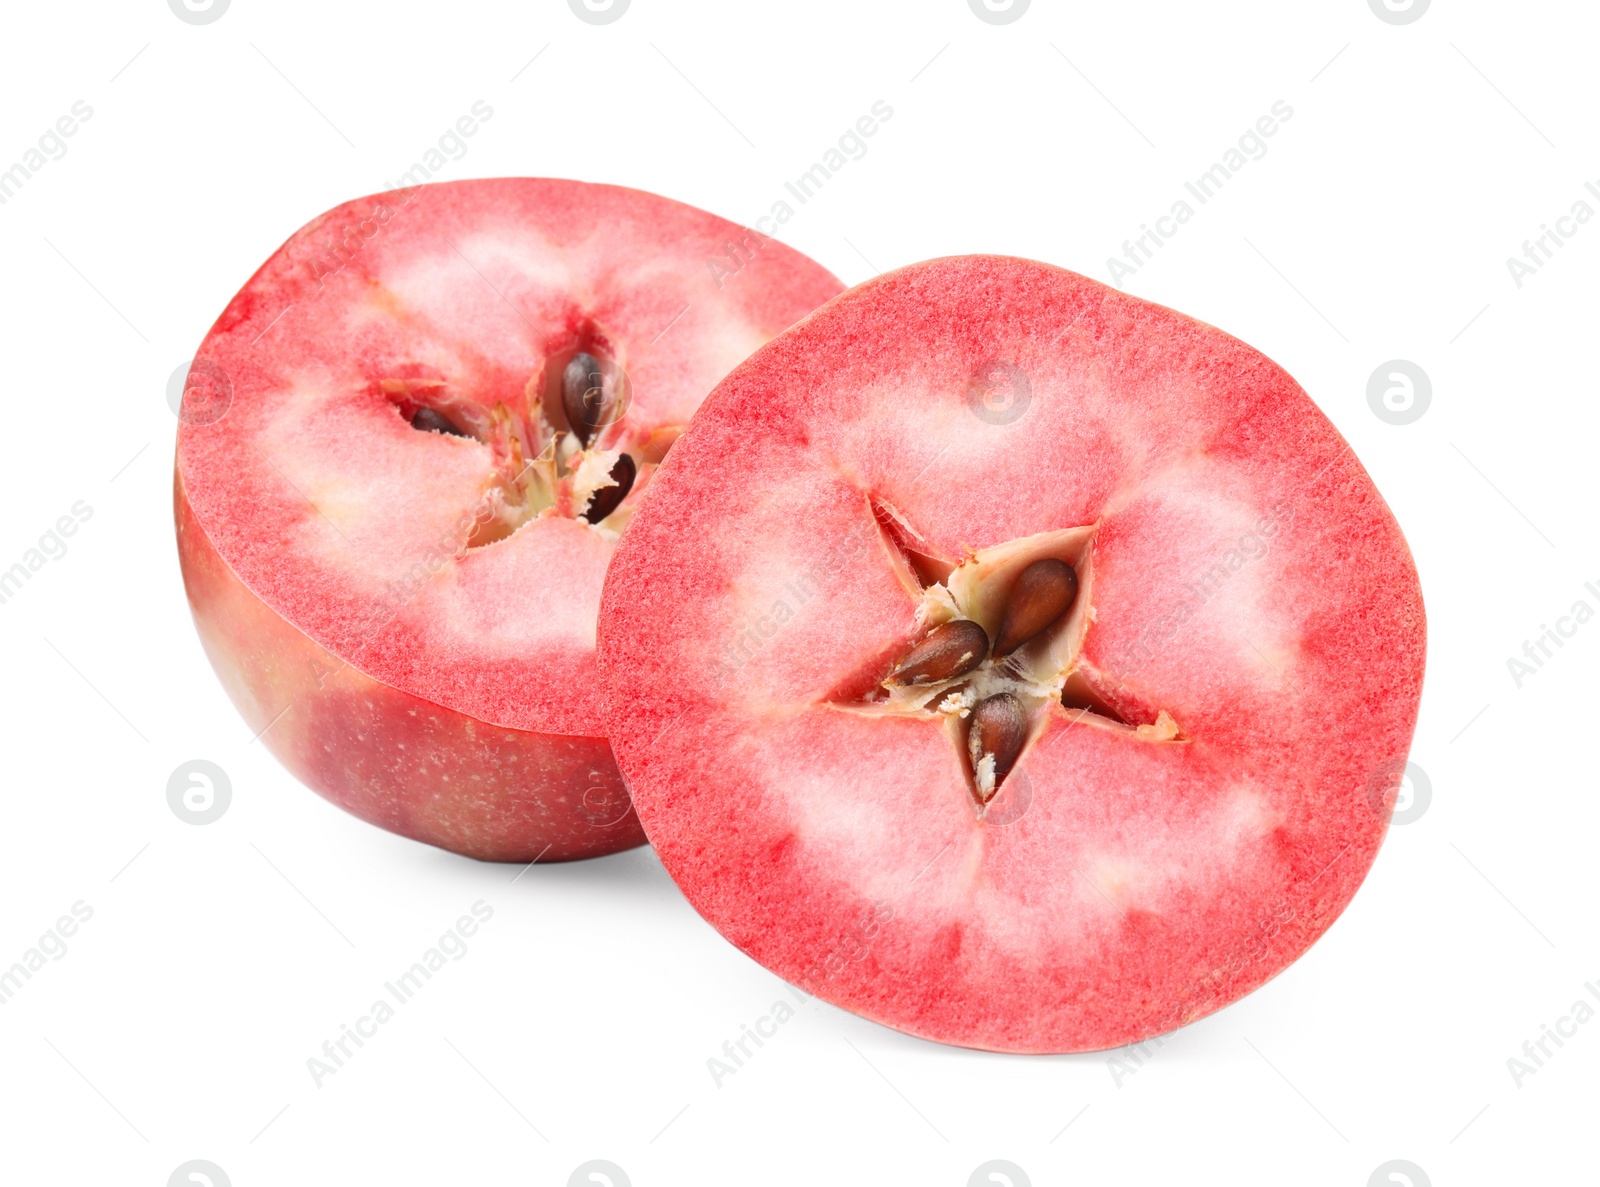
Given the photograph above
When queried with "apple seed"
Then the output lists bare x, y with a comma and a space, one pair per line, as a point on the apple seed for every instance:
994, 740
949, 650
589, 402
429, 421
1043, 593
606, 500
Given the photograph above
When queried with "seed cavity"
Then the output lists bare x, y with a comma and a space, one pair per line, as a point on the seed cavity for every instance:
949, 650
608, 498
429, 421
1006, 646
1043, 592
929, 570
995, 735
589, 396
659, 442
950, 699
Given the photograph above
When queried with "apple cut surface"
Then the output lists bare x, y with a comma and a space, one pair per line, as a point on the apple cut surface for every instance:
406, 452
1012, 661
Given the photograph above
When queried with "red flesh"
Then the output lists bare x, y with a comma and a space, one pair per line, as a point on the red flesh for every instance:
443, 692
1147, 882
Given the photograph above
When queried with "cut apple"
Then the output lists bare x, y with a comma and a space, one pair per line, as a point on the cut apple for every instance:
409, 446
1007, 659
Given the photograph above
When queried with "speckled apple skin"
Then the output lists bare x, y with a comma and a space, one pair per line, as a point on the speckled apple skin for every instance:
407, 764
1247, 578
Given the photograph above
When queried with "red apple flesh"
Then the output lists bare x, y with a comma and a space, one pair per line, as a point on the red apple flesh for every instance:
391, 447
1166, 790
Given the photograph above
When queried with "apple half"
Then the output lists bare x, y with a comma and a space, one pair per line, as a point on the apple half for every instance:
406, 452
1012, 661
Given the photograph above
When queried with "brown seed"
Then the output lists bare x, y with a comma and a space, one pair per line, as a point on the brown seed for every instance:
1043, 593
589, 401
999, 728
429, 421
608, 498
949, 650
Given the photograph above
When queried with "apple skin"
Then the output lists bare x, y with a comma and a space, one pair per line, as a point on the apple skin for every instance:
394, 759
462, 711
1241, 575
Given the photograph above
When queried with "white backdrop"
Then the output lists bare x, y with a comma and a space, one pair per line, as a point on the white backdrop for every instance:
172, 1019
